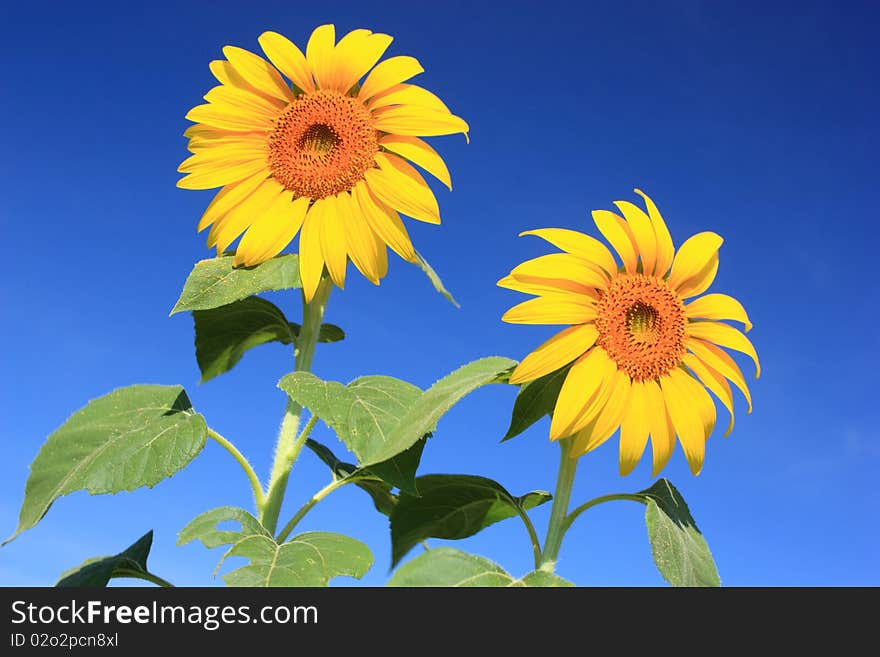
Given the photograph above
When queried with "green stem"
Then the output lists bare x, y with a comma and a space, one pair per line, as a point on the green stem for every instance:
561, 497
305, 508
599, 500
533, 535
245, 465
149, 577
288, 446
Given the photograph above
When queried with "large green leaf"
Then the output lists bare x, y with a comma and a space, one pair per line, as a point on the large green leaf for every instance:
422, 415
435, 279
129, 438
131, 562
535, 400
309, 559
215, 282
223, 334
451, 567
378, 417
361, 413
453, 507
680, 552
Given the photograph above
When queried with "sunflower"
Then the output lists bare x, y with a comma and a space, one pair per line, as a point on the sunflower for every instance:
640, 357
324, 155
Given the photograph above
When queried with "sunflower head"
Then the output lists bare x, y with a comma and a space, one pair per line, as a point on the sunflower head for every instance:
641, 356
317, 143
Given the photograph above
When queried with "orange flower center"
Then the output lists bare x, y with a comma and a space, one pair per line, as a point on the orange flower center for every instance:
322, 144
641, 324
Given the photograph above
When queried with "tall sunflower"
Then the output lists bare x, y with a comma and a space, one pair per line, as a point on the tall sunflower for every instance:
641, 357
325, 155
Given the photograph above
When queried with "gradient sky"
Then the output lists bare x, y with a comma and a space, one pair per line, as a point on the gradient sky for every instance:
754, 120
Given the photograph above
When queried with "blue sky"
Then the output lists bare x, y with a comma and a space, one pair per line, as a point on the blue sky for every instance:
755, 120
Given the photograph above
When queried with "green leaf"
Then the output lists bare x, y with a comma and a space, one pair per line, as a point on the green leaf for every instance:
535, 400
378, 417
215, 282
435, 279
129, 438
453, 507
422, 416
132, 562
309, 559
361, 413
327, 332
680, 552
400, 470
541, 578
450, 567
223, 334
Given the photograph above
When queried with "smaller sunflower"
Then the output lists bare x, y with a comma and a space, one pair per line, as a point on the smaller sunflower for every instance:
640, 357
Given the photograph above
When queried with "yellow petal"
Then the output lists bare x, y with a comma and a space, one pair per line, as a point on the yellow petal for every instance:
224, 176
642, 232
235, 222
665, 249
400, 186
385, 222
418, 121
230, 196
545, 288
565, 270
288, 58
228, 118
634, 428
419, 152
272, 231
693, 257
334, 244
555, 353
363, 245
576, 243
388, 73
258, 72
320, 54
227, 75
609, 417
547, 310
718, 306
725, 336
720, 361
662, 431
714, 381
242, 101
700, 400
685, 418
619, 235
200, 144
582, 384
356, 53
408, 94
221, 158
699, 282
311, 262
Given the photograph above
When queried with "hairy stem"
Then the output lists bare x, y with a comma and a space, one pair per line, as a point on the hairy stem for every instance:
599, 500
259, 499
305, 508
289, 445
561, 497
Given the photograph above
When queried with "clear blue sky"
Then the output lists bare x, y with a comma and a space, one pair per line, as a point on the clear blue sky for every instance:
755, 120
